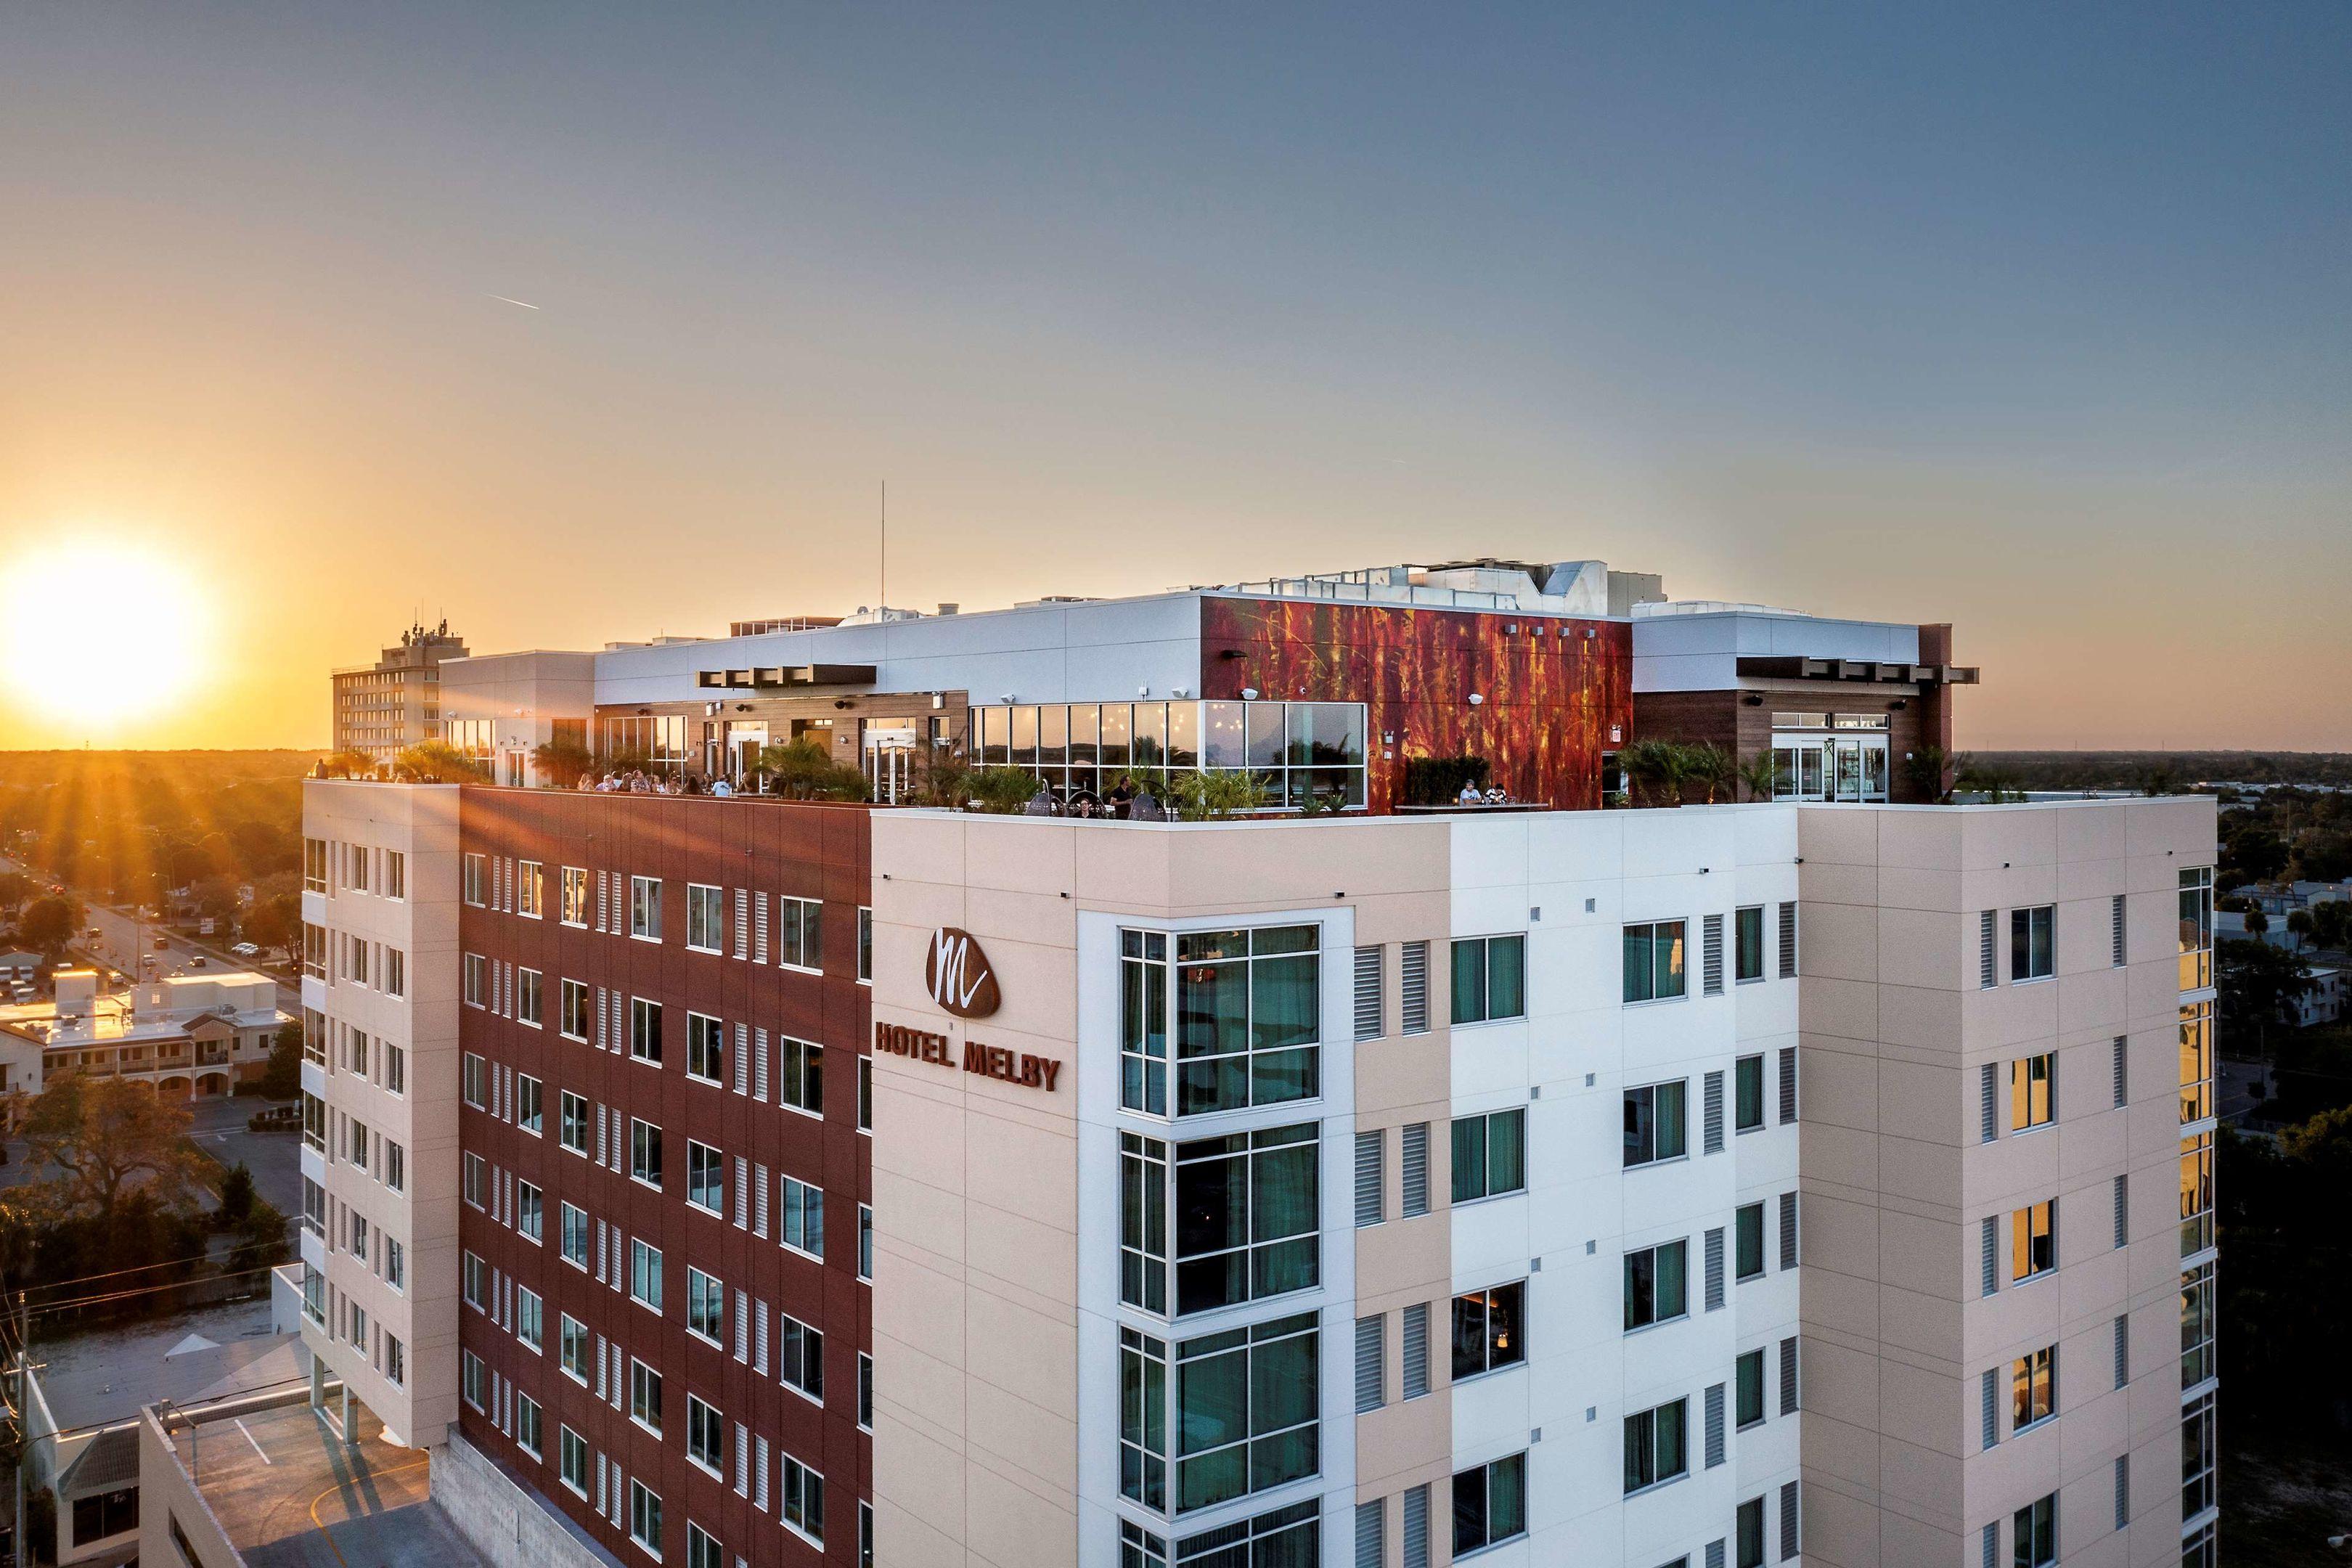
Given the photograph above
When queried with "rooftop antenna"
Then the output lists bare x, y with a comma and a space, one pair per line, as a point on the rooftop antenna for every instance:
885, 563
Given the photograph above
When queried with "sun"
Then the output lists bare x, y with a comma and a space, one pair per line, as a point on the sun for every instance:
95, 632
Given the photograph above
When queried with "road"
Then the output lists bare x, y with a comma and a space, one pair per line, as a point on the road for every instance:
123, 940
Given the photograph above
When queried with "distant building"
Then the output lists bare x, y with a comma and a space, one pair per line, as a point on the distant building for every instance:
2323, 1003
193, 1035
395, 701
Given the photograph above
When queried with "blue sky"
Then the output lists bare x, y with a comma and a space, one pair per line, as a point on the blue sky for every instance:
2030, 318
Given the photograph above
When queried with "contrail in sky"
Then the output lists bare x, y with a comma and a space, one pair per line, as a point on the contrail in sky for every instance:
524, 303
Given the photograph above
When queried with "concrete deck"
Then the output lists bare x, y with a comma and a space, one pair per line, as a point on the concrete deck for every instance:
291, 1493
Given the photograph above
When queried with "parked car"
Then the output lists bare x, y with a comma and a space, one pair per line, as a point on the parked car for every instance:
246, 949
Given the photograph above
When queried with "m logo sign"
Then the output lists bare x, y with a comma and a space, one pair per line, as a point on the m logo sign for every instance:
957, 974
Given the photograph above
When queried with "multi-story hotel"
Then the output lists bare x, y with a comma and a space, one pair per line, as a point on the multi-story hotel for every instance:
1822, 1178
395, 702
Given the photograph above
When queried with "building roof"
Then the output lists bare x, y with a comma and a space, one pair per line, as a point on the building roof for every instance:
110, 1461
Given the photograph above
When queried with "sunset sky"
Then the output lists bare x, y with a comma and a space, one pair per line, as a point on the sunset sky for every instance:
2038, 321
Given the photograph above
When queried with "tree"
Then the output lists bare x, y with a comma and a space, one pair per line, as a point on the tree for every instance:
1761, 774
1712, 769
1213, 793
435, 761
276, 921
2252, 854
14, 888
236, 1198
2298, 926
2255, 982
347, 765
104, 1133
806, 771
282, 1079
563, 762
2257, 922
50, 922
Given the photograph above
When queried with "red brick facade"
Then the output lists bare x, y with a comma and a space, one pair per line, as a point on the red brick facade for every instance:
757, 853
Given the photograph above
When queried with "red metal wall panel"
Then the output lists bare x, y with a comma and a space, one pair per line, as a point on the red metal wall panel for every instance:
1555, 694
795, 849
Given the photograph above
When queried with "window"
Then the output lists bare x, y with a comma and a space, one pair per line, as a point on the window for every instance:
571, 1459
1747, 1382
803, 1499
1247, 1215
395, 1264
395, 973
706, 1305
2034, 1240
1143, 1419
478, 980
2195, 1062
706, 918
799, 929
530, 890
1654, 1446
1747, 944
644, 908
1143, 1223
645, 1274
1748, 1242
2033, 952
705, 1048
529, 1313
1490, 978
865, 1390
800, 1067
395, 1166
314, 865
475, 1179
644, 1153
645, 1030
105, 1514
1490, 1155
644, 1518
572, 1234
1490, 1504
803, 1217
473, 1382
2034, 1533
2033, 1388
528, 1217
574, 1017
706, 1435
1656, 1289
1246, 1410
1286, 1536
2196, 1193
1747, 1094
865, 1094
1654, 961
701, 1550
1245, 1016
2196, 1456
474, 1275
2196, 1360
572, 1346
395, 1367
2196, 927
396, 1069
864, 946
706, 1178
1655, 1126
1489, 1330
527, 1097
526, 1009
865, 1243
2032, 1091
802, 1351
395, 873
646, 1397
476, 880
573, 911
1749, 1530
572, 1122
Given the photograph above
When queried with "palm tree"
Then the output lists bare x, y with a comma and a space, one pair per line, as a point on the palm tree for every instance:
1712, 768
435, 761
1654, 769
1761, 774
2299, 926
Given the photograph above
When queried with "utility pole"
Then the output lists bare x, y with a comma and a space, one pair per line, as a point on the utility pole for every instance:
24, 1431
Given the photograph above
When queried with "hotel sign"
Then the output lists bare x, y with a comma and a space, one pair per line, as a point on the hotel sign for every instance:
998, 1062
957, 974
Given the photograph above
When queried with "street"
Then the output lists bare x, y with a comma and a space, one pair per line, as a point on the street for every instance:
124, 941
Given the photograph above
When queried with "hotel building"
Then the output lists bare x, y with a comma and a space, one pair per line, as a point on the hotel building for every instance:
395, 702
785, 1182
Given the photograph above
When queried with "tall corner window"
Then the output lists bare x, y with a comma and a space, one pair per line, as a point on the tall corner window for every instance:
2196, 927
1243, 1009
